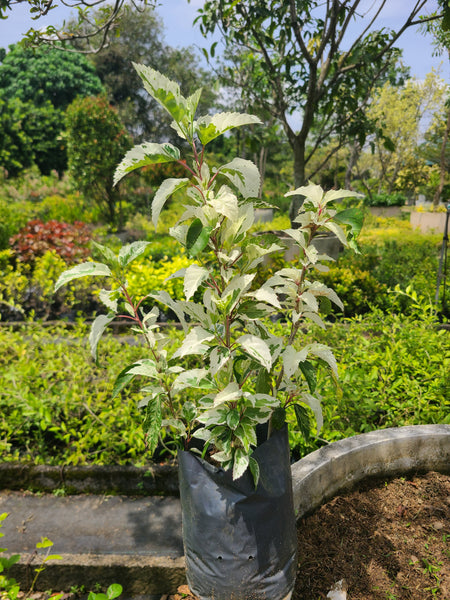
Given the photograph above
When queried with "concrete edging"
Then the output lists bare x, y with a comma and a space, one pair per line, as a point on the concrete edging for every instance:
339, 466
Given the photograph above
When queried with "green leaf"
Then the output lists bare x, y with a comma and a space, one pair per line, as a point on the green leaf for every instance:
197, 237
233, 418
354, 217
278, 417
44, 543
165, 190
123, 379
130, 252
148, 153
309, 373
263, 382
210, 127
107, 254
82, 270
114, 591
152, 424
98, 327
303, 420
254, 469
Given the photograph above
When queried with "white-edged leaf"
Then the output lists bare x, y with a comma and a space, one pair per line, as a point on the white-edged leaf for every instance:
148, 153
194, 342
82, 270
194, 378
230, 393
130, 252
165, 190
257, 349
193, 278
312, 192
211, 126
240, 463
332, 195
267, 295
244, 174
337, 230
325, 353
146, 367
314, 404
292, 358
226, 204
109, 299
297, 235
98, 327
165, 91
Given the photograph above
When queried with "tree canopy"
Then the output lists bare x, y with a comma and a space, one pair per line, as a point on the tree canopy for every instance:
95, 29
307, 67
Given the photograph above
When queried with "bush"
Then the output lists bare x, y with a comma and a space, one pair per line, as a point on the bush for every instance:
395, 199
69, 209
70, 241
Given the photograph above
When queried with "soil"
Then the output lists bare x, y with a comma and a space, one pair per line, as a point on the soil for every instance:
387, 541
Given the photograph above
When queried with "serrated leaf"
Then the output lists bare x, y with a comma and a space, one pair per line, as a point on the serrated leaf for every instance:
325, 353
98, 327
233, 418
240, 463
165, 190
244, 174
146, 367
314, 404
130, 252
123, 379
83, 270
152, 424
210, 127
107, 254
109, 299
303, 420
165, 91
310, 375
354, 217
230, 393
194, 343
194, 378
292, 358
148, 153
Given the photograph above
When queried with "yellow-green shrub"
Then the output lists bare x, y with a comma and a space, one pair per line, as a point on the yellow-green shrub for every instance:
147, 276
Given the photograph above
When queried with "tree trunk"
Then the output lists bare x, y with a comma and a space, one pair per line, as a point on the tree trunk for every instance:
353, 159
298, 147
443, 165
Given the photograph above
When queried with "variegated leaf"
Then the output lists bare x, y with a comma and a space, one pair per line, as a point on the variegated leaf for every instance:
148, 153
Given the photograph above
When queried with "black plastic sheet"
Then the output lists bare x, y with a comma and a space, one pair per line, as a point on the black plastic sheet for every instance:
240, 542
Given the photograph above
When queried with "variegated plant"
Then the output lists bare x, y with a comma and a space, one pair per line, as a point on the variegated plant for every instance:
244, 375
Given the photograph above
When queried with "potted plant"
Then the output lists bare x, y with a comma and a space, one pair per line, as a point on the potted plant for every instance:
226, 390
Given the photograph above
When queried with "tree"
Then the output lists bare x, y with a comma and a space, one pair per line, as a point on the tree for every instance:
41, 74
306, 68
95, 30
402, 110
441, 33
96, 143
141, 40
36, 86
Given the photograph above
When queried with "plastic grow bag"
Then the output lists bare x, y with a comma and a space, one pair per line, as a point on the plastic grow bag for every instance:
240, 542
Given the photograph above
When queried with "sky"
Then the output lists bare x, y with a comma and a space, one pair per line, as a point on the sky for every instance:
178, 16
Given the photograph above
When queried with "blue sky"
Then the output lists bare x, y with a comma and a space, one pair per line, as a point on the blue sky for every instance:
178, 16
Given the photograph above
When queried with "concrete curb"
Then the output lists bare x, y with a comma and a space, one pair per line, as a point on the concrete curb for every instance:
155, 480
339, 467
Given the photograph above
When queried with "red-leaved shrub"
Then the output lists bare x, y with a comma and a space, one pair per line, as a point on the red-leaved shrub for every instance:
70, 241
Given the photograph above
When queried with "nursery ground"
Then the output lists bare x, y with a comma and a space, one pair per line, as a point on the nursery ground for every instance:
389, 540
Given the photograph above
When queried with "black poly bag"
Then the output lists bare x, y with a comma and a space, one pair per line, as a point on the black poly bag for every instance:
240, 543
